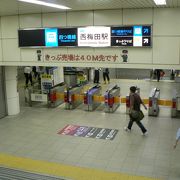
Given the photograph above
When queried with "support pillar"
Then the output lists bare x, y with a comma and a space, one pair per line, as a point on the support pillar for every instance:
12, 94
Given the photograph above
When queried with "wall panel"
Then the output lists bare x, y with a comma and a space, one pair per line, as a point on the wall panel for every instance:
30, 21
140, 55
166, 21
30, 55
0, 50
11, 52
9, 25
166, 50
108, 17
54, 20
0, 29
81, 18
137, 16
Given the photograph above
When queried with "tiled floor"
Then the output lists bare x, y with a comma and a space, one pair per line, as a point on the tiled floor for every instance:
33, 134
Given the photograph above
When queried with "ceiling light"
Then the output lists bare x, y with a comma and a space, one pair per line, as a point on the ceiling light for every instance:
160, 2
45, 4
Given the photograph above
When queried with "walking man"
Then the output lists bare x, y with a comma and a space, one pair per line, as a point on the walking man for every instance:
135, 102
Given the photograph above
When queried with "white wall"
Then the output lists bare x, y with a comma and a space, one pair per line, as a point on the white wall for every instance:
0, 42
165, 37
108, 17
30, 21
0, 51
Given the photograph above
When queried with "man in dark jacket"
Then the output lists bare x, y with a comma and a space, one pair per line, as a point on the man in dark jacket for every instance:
135, 102
106, 75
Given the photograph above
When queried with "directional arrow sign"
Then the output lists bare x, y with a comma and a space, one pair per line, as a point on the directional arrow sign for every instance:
146, 30
146, 40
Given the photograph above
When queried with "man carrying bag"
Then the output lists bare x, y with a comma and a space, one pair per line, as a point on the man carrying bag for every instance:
135, 113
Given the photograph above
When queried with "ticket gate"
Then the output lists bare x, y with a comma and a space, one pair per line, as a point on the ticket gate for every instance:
111, 98
35, 95
128, 100
89, 102
69, 97
175, 104
154, 97
56, 95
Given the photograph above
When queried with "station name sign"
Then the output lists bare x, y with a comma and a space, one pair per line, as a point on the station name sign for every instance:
94, 36
91, 36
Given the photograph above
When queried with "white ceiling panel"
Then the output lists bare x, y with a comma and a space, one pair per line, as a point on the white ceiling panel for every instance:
12, 7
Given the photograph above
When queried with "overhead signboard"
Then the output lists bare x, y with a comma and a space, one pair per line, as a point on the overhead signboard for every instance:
135, 36
94, 36
67, 37
91, 36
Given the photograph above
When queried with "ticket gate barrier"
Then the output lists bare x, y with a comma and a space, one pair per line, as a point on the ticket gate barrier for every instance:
128, 100
69, 97
35, 95
109, 99
89, 101
154, 97
175, 108
56, 95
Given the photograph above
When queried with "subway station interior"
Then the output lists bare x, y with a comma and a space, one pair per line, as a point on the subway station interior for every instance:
70, 71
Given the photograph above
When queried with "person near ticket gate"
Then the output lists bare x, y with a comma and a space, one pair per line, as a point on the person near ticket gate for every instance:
96, 75
177, 138
135, 102
28, 75
106, 75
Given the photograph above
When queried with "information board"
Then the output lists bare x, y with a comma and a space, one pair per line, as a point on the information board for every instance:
91, 36
135, 36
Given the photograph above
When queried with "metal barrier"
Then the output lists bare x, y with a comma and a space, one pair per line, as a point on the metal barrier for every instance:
128, 100
35, 95
69, 97
55, 94
154, 97
89, 101
109, 98
175, 104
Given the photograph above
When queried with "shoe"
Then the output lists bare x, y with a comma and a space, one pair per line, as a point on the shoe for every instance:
145, 134
127, 129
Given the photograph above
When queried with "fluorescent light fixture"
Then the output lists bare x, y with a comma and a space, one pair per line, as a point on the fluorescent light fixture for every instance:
45, 4
160, 2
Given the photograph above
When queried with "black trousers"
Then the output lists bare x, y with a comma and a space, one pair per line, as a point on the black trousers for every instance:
28, 78
96, 76
141, 126
106, 76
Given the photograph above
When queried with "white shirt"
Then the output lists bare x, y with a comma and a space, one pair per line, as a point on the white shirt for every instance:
27, 69
178, 134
